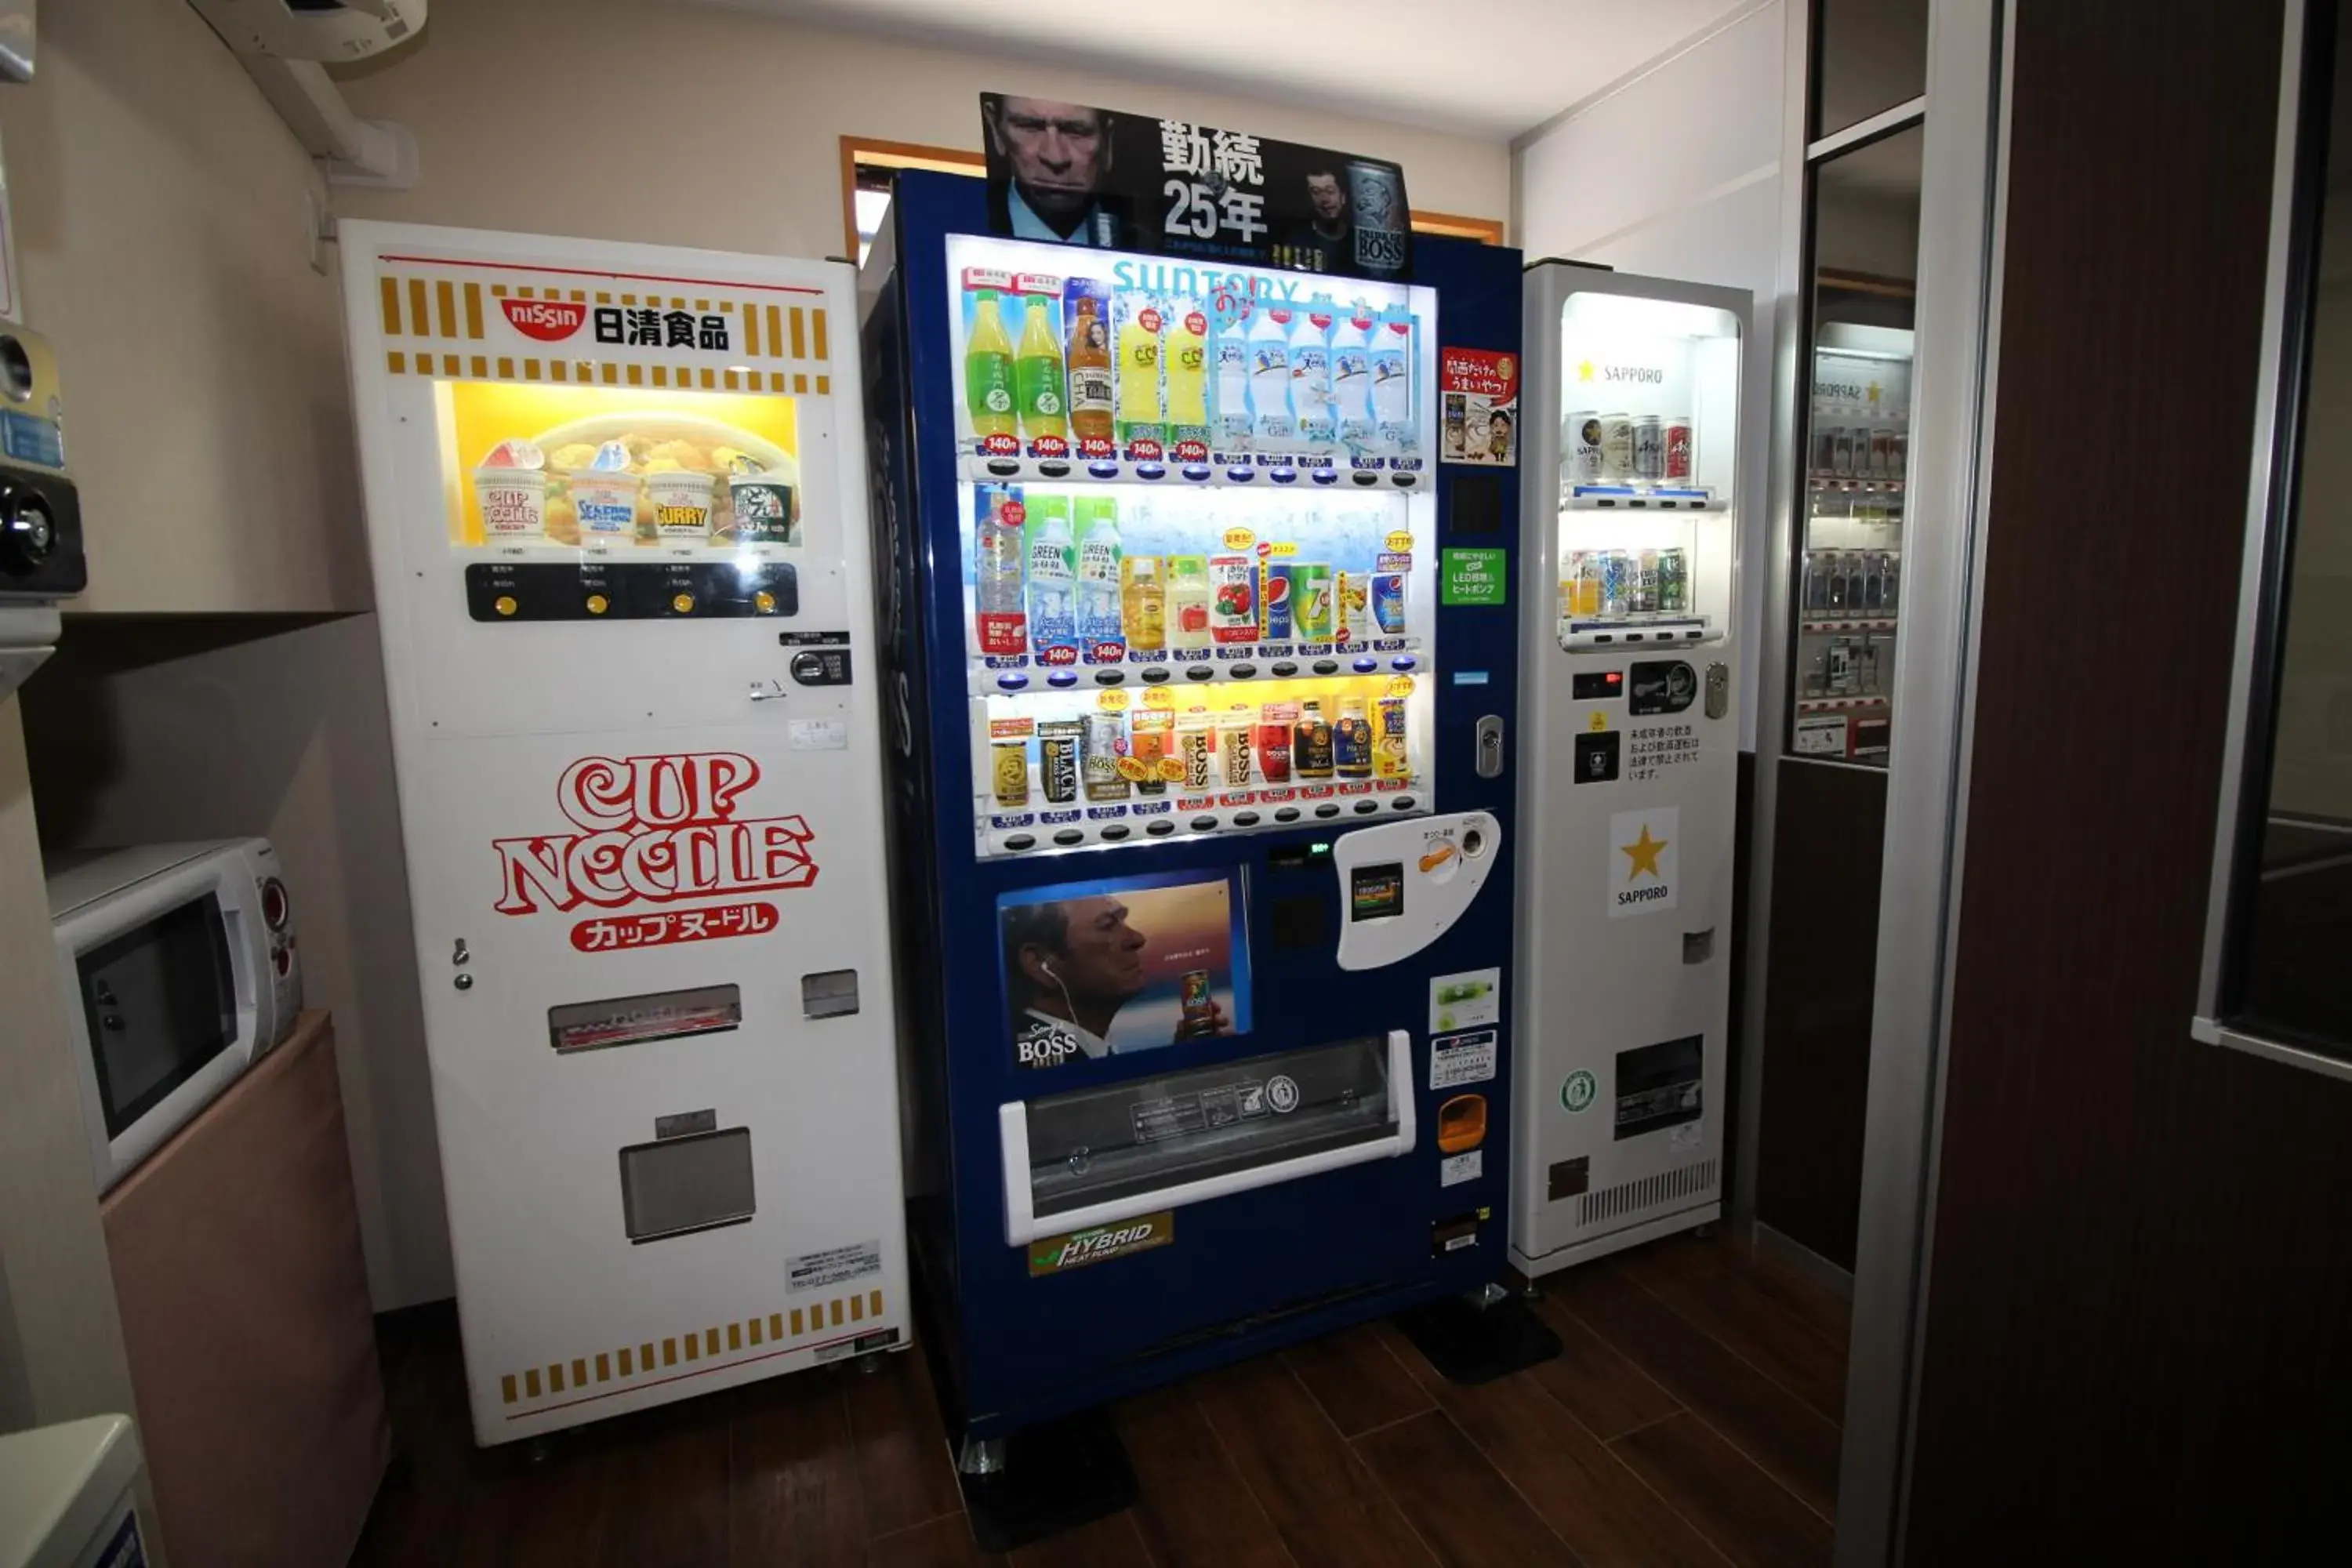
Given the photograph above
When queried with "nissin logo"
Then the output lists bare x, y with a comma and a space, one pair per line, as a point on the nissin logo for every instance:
549, 320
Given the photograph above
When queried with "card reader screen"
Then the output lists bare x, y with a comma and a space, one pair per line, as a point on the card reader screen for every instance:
1376, 892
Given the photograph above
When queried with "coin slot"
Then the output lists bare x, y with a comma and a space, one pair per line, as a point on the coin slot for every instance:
15, 370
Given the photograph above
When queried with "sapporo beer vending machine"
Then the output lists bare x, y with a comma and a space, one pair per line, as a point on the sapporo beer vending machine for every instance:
1205, 801
616, 507
1629, 604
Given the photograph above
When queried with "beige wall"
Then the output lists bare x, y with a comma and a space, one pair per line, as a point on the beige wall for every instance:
528, 116
158, 211
231, 726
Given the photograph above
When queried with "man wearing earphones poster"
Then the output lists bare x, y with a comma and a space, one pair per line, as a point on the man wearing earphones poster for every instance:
1102, 972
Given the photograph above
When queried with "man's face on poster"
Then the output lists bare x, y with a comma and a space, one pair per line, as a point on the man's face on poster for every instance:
1058, 153
1328, 200
1102, 956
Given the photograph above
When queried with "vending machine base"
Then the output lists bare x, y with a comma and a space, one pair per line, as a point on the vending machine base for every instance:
1477, 1338
1044, 1480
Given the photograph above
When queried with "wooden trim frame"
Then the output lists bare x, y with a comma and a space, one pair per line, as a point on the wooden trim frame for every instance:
874, 150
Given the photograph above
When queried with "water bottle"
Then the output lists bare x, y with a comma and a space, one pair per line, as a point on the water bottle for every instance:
1053, 571
1392, 368
997, 571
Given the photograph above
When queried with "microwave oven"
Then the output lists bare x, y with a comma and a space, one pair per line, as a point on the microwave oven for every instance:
179, 968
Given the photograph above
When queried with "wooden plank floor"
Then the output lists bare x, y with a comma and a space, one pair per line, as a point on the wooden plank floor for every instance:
1691, 1424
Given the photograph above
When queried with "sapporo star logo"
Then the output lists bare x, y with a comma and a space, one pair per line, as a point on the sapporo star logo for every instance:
1584, 370
1873, 390
1644, 852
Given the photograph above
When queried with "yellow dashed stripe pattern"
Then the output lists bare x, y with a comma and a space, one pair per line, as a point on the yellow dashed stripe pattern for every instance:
756, 1336
445, 309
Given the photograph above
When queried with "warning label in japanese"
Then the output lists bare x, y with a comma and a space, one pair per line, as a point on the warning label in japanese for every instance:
1652, 749
1456, 1059
834, 1266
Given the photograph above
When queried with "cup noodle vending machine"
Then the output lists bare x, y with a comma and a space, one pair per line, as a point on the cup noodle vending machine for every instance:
1629, 600
617, 508
1205, 805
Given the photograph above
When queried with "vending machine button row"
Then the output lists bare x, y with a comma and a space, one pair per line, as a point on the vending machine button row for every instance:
1326, 667
1286, 668
1155, 675
1246, 819
1110, 677
1116, 832
1329, 808
1062, 677
1160, 829
1366, 666
1242, 671
1204, 825
1402, 662
1069, 835
1403, 803
1287, 814
1366, 807
1199, 673
1020, 841
1012, 682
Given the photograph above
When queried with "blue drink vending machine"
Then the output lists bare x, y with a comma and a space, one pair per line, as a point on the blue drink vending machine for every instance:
1203, 805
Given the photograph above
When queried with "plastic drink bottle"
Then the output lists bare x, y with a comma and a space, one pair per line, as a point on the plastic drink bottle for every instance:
988, 369
1090, 375
1143, 411
997, 569
1233, 424
1098, 576
1351, 379
1185, 353
1269, 373
1392, 367
1187, 601
1052, 571
1310, 375
1037, 376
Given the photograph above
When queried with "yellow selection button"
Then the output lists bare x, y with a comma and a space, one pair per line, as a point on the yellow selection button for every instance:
764, 601
598, 603
683, 604
504, 604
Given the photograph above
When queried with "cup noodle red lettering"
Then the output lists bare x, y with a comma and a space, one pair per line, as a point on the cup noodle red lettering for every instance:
656, 830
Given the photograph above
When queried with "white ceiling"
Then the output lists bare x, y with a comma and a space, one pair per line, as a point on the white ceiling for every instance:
1487, 68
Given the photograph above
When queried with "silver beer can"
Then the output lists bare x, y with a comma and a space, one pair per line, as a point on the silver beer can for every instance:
1383, 241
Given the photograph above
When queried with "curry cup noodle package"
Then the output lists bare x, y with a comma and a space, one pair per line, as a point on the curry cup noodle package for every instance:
604, 495
510, 486
681, 500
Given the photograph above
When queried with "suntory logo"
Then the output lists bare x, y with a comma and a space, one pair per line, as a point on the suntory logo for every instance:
654, 830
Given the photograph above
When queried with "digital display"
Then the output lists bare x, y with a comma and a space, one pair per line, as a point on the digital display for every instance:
1376, 892
1596, 685
1124, 964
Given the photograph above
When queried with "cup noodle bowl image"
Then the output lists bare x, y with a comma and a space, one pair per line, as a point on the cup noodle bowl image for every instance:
679, 465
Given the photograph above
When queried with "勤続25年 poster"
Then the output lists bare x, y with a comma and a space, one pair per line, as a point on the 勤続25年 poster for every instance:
1078, 175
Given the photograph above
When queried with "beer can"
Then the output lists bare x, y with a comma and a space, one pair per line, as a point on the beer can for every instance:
1645, 596
1681, 454
1580, 440
1824, 456
1649, 448
1376, 199
1842, 451
1236, 733
1274, 723
1061, 750
1312, 605
1873, 582
1388, 603
1674, 583
1615, 578
1882, 455
1388, 759
1275, 614
1616, 448
1106, 738
1193, 745
1012, 774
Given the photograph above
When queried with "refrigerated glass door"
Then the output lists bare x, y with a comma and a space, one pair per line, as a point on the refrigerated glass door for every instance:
1650, 407
1198, 545
1848, 588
